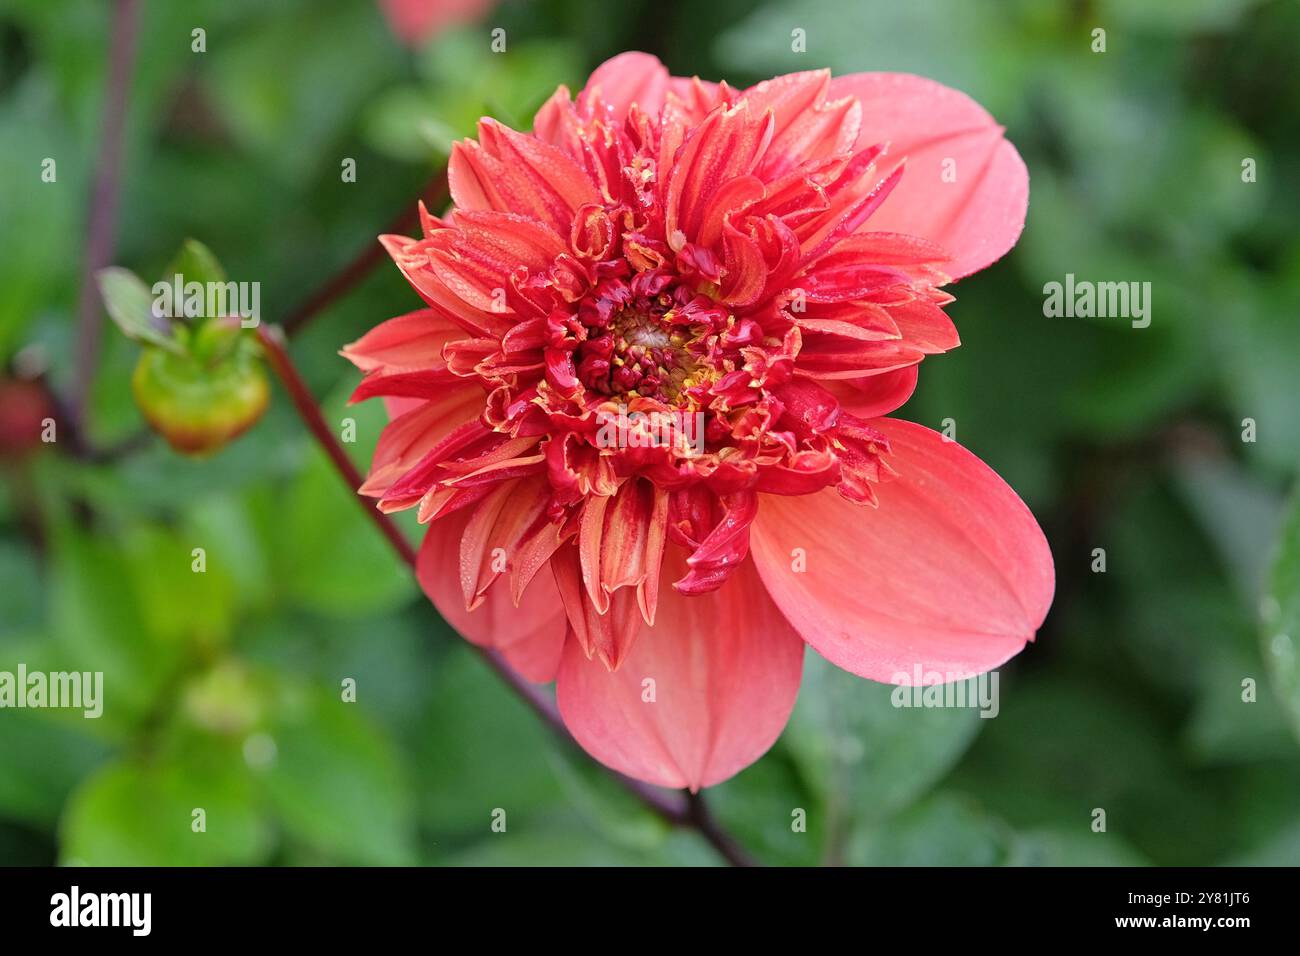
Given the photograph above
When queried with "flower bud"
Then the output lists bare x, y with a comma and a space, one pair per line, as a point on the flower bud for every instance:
199, 384
25, 410
201, 399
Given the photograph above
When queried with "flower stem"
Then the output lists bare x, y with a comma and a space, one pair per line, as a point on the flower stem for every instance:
679, 809
103, 206
272, 340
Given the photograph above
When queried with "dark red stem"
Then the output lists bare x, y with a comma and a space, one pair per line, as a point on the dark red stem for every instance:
102, 226
371, 255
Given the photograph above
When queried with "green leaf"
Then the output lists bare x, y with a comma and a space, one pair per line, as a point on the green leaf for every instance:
38, 268
770, 810
1282, 850
43, 759
332, 557
946, 830
179, 604
1238, 512
868, 757
135, 813
20, 600
1059, 846
336, 783
1224, 728
1172, 16
477, 734
1281, 614
194, 262
130, 304
101, 626
1264, 819
1062, 748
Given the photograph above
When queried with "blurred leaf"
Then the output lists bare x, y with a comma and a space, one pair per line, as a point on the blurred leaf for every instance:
1179, 612
1064, 747
41, 217
1283, 850
478, 748
102, 627
612, 813
42, 757
336, 782
179, 605
945, 830
194, 262
866, 757
951, 40
1265, 818
1224, 728
20, 846
130, 304
1166, 16
135, 813
1258, 341
1238, 513
1078, 847
20, 599
227, 528
331, 557
401, 123
771, 812
1281, 630
274, 101
465, 80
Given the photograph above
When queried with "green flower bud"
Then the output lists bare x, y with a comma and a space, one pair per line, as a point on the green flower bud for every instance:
213, 391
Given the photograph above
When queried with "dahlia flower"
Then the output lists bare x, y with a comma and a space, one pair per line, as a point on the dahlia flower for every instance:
641, 411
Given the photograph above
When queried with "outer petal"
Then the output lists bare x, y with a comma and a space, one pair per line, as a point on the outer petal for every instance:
726, 669
530, 636
950, 573
874, 395
414, 430
410, 341
623, 80
977, 217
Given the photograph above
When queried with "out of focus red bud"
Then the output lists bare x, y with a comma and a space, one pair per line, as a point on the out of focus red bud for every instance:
26, 417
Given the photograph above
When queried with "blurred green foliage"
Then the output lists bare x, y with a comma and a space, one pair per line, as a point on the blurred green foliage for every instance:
225, 687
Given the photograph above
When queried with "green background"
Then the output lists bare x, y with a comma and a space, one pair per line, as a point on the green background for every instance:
223, 688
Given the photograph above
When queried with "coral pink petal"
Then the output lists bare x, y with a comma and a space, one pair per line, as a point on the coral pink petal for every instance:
397, 407
951, 572
530, 636
874, 395
978, 215
626, 79
725, 668
416, 427
410, 341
